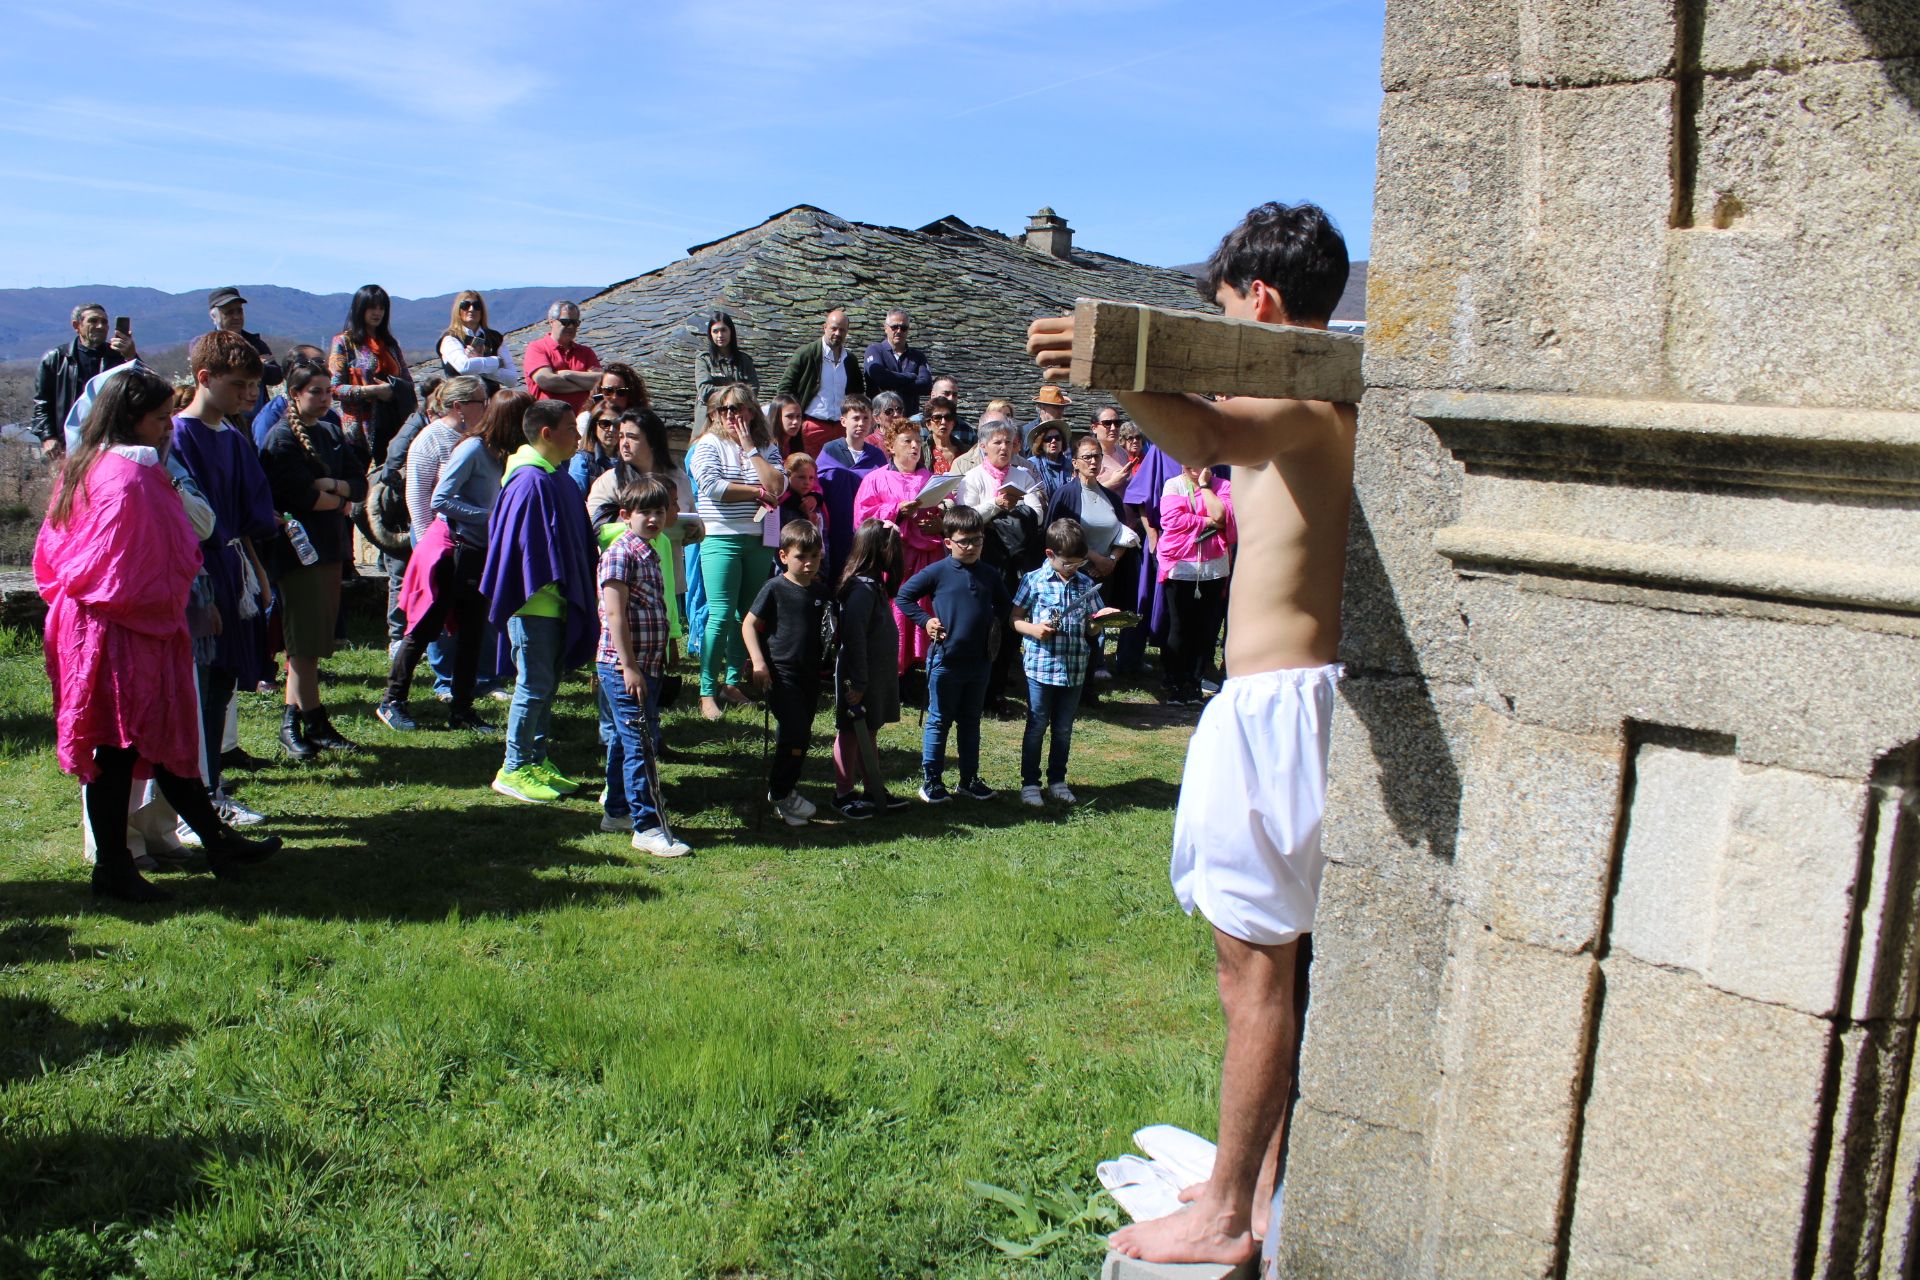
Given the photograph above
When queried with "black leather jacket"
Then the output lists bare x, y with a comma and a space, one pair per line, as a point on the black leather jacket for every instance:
64, 372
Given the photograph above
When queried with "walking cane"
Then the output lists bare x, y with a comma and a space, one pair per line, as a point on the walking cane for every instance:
766, 743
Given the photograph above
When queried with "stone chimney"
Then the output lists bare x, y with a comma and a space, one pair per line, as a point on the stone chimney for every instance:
1048, 233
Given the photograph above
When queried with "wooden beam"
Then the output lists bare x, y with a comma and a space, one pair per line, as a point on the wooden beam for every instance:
1209, 354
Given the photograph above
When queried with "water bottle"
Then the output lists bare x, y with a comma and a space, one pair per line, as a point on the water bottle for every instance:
302, 544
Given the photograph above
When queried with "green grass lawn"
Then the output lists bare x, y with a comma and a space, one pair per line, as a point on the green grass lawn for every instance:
444, 1034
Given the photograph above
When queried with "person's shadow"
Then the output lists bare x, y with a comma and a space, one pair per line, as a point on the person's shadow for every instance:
1420, 785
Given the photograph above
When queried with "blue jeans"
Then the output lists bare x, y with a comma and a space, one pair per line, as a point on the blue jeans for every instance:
536, 659
955, 695
1049, 706
627, 726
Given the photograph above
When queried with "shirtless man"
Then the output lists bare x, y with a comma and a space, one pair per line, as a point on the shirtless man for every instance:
1246, 840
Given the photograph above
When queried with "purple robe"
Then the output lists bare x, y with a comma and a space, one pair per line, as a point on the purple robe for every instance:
1155, 469
538, 533
225, 465
840, 477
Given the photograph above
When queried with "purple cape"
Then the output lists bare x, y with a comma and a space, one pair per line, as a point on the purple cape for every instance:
1155, 469
538, 533
840, 477
227, 468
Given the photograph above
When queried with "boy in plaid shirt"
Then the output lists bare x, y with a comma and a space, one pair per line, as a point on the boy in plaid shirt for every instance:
1053, 609
632, 657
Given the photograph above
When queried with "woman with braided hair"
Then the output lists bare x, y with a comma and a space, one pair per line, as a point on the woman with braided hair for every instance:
315, 474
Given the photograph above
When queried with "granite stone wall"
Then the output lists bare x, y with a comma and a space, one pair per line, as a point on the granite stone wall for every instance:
1619, 951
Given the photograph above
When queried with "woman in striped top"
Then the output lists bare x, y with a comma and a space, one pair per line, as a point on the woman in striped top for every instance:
736, 473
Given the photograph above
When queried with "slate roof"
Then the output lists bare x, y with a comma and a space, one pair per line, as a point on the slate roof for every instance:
970, 291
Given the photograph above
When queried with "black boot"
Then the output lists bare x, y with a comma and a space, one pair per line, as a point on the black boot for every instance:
115, 876
229, 851
293, 736
321, 733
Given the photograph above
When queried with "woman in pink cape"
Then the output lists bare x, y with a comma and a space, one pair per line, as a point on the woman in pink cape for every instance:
114, 562
887, 494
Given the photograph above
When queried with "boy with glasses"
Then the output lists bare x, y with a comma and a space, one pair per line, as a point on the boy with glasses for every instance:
967, 598
1053, 611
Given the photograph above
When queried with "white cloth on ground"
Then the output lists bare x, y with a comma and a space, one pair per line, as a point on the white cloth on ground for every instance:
1246, 835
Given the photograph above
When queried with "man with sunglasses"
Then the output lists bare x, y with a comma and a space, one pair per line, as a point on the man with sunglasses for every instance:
558, 367
892, 365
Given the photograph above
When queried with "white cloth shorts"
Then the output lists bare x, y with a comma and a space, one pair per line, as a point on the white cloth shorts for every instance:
1246, 837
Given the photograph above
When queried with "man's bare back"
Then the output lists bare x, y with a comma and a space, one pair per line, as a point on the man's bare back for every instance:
1288, 576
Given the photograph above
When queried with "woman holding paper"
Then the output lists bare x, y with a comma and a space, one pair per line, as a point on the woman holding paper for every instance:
893, 495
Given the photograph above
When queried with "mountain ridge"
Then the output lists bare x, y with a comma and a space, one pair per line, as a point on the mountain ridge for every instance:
33, 320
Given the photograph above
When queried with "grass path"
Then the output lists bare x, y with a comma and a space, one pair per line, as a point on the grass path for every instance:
448, 1035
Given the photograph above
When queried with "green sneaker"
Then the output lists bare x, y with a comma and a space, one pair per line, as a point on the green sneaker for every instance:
564, 783
525, 785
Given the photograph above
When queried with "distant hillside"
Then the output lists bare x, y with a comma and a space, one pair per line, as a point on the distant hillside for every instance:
1352, 304
32, 320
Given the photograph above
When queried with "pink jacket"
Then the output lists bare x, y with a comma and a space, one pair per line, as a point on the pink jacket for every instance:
115, 578
1181, 518
417, 586
880, 496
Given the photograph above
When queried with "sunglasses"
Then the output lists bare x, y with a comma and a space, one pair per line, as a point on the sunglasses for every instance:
469, 306
613, 389
897, 328
1106, 422
569, 324
939, 417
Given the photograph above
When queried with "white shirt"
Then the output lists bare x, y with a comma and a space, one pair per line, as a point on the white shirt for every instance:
499, 368
833, 385
980, 490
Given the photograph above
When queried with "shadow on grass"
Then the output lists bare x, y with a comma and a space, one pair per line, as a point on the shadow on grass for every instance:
42, 943
36, 1038
98, 1185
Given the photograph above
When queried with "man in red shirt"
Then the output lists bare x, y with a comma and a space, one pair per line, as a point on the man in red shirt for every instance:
557, 367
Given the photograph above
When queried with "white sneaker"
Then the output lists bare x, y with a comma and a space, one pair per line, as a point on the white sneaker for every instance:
1059, 791
789, 808
233, 813
800, 804
1031, 796
609, 822
186, 835
657, 842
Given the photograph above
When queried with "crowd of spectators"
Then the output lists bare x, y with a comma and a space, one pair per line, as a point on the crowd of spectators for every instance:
849, 529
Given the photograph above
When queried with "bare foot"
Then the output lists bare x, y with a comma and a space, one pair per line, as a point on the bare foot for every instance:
1262, 1202
711, 709
1191, 1235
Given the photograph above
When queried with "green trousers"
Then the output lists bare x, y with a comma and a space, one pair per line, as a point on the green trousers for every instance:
733, 566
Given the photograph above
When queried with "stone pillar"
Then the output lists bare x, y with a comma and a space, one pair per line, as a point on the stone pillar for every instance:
1617, 957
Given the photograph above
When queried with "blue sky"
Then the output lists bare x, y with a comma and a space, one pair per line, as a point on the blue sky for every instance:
435, 147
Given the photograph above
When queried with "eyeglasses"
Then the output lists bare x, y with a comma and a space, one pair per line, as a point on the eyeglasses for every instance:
470, 306
732, 411
897, 328
939, 417
1086, 457
1070, 566
972, 540
612, 388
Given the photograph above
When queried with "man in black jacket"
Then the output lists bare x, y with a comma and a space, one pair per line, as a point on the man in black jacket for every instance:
228, 310
64, 371
892, 365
